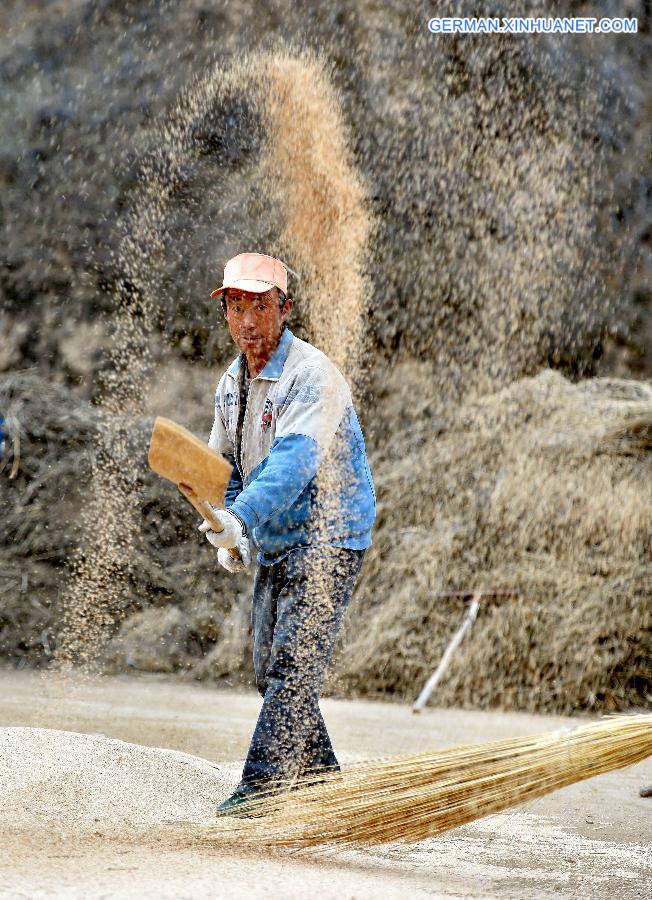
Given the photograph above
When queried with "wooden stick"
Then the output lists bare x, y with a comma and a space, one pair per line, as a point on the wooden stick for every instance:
456, 640
204, 509
475, 597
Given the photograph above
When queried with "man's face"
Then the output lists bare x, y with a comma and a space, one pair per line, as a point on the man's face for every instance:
255, 320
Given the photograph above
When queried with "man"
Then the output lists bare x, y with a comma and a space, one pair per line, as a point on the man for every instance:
301, 491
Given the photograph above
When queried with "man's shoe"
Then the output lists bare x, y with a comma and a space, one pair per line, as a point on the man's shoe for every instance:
236, 805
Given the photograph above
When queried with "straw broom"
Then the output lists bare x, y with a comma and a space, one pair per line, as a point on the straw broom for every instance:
409, 798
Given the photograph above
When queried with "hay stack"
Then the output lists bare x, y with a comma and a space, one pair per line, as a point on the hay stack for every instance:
545, 486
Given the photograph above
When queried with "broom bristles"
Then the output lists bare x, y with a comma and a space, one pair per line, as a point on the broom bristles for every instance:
412, 797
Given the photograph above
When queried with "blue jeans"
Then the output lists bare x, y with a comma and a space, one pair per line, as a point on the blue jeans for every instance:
298, 607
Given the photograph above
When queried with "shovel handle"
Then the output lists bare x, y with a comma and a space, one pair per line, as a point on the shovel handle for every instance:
204, 509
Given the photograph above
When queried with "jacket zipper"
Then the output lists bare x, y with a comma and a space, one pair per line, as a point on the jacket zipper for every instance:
242, 418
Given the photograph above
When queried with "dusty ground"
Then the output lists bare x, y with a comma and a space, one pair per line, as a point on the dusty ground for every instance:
82, 813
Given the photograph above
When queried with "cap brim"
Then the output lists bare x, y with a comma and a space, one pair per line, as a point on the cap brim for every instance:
245, 284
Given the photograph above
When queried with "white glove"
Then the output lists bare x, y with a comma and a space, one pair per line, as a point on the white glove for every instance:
232, 564
231, 535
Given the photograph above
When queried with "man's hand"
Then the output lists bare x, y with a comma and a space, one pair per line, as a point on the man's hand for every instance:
231, 535
233, 564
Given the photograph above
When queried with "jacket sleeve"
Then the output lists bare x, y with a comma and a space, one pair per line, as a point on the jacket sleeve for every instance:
220, 441
310, 415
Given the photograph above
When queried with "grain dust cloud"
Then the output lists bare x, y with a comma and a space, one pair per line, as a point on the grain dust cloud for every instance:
311, 182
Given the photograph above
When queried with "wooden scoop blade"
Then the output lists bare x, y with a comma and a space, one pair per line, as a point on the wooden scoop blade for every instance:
176, 454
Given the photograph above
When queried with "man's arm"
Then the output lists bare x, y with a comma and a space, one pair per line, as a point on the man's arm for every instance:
306, 426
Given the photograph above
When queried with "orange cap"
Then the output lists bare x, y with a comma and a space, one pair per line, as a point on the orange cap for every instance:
254, 272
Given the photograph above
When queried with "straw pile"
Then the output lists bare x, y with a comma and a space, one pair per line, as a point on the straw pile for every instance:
544, 486
410, 798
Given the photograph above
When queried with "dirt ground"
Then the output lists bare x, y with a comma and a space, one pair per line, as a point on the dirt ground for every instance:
590, 840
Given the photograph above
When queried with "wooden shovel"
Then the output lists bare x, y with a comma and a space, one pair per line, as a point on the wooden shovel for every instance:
201, 473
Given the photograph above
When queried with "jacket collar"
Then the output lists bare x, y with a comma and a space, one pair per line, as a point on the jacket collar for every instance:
274, 365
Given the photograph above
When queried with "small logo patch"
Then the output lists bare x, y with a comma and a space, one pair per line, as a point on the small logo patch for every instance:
266, 420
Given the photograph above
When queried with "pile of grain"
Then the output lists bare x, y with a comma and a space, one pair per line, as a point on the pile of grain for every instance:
81, 783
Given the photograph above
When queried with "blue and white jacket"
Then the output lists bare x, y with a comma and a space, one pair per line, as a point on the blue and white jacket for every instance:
299, 414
